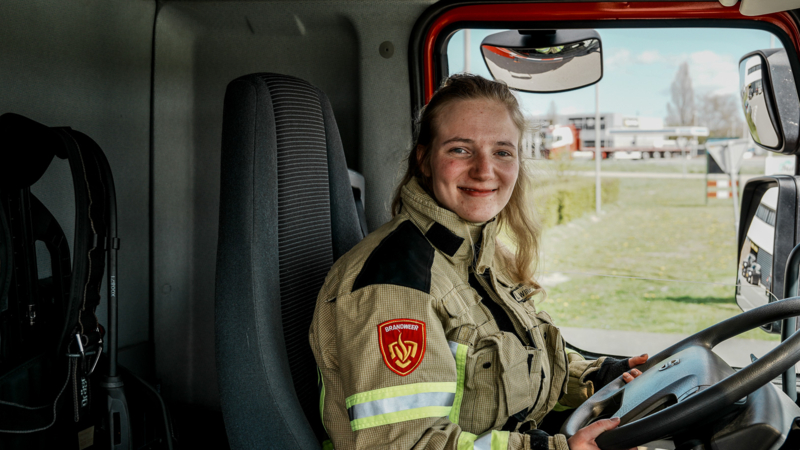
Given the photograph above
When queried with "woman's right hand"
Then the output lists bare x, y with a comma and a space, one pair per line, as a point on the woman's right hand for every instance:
584, 438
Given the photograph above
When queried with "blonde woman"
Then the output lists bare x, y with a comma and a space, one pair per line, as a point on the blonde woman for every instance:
425, 333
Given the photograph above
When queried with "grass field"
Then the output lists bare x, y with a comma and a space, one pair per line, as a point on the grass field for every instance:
660, 229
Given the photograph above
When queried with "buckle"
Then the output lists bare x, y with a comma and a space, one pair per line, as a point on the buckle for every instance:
87, 367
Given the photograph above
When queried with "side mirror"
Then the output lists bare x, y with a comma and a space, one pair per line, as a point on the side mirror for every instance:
544, 60
769, 100
766, 237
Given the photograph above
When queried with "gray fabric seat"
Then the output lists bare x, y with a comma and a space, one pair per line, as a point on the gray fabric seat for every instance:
286, 213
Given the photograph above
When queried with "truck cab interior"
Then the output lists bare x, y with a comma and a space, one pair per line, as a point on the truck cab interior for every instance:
177, 177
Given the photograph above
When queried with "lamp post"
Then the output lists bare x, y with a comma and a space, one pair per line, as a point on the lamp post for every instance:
597, 154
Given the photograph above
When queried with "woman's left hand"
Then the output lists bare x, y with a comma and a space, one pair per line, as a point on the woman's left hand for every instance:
632, 363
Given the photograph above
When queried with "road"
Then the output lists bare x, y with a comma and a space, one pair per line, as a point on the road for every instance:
735, 352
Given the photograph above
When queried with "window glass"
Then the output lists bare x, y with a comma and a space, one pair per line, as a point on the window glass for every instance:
659, 261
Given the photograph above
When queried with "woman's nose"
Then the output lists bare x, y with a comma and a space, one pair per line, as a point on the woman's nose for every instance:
481, 167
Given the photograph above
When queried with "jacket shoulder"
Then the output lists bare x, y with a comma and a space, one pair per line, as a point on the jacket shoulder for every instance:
396, 254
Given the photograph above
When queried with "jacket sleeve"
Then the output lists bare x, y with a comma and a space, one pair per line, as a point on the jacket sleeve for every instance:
388, 387
579, 384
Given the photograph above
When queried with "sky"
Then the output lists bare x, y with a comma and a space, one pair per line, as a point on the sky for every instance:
639, 66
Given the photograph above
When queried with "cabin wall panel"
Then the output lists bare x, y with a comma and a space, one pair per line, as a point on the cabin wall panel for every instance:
86, 64
200, 48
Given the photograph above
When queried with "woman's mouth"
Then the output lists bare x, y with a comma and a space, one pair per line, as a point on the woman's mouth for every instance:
473, 192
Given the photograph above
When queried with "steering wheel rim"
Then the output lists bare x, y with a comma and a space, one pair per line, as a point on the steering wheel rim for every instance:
698, 406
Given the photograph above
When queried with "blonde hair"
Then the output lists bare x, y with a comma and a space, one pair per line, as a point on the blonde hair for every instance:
518, 218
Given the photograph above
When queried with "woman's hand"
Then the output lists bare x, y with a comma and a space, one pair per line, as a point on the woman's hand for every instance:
584, 438
632, 363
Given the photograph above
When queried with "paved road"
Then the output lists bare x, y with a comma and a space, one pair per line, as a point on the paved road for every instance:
735, 352
689, 176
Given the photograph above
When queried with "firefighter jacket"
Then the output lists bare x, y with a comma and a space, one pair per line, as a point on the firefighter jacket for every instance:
409, 355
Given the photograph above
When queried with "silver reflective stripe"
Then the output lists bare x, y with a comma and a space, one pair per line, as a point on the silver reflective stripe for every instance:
483, 443
402, 403
453, 347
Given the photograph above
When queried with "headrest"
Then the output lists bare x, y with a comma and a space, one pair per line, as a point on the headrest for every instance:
26, 150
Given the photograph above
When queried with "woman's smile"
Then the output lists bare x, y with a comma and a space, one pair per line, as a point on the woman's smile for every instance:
477, 192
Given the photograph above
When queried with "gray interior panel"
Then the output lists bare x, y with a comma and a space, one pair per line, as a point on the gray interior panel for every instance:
200, 48
87, 65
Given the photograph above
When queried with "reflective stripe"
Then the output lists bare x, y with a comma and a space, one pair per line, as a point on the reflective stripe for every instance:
395, 404
500, 440
559, 407
459, 352
397, 391
401, 416
327, 445
496, 440
399, 403
466, 441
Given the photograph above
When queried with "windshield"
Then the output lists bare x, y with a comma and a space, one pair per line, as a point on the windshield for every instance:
658, 262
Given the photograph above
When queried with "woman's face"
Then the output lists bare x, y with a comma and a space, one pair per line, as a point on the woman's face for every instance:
473, 158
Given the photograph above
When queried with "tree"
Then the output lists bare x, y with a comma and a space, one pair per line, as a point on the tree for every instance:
721, 114
681, 109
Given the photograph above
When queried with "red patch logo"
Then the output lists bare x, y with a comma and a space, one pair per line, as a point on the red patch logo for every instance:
402, 343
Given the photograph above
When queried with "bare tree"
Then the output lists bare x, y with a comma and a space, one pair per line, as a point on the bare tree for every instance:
681, 109
721, 114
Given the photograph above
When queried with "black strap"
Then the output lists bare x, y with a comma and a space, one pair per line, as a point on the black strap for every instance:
90, 235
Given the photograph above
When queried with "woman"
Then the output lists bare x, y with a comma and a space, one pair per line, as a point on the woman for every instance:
425, 333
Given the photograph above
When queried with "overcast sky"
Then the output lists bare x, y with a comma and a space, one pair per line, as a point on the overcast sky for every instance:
639, 66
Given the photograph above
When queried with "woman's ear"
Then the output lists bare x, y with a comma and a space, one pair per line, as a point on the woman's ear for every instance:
421, 161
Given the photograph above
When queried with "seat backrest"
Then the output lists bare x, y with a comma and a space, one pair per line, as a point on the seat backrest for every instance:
286, 213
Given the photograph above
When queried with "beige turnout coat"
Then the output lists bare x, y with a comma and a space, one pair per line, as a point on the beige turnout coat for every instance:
410, 357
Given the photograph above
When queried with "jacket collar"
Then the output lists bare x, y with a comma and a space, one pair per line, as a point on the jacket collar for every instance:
445, 230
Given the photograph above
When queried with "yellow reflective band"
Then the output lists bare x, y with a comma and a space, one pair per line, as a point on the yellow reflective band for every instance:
569, 350
321, 383
500, 440
397, 391
400, 416
466, 441
327, 445
496, 440
460, 355
559, 407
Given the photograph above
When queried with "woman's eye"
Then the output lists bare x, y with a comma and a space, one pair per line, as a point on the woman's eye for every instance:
504, 153
458, 150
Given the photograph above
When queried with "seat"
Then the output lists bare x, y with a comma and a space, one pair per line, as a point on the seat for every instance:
286, 214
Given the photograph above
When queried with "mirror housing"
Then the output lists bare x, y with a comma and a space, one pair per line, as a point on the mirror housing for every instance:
769, 99
778, 219
544, 61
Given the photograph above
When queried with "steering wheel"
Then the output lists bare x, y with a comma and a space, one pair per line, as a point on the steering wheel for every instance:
686, 383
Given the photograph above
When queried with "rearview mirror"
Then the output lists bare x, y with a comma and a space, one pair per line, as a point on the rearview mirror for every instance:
769, 100
544, 60
766, 237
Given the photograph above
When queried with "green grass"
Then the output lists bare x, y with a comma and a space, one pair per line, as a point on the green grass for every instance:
658, 229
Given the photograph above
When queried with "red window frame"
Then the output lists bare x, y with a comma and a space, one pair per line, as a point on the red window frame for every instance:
610, 11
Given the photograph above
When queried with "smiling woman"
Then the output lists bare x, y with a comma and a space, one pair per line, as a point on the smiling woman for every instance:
473, 177
481, 360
